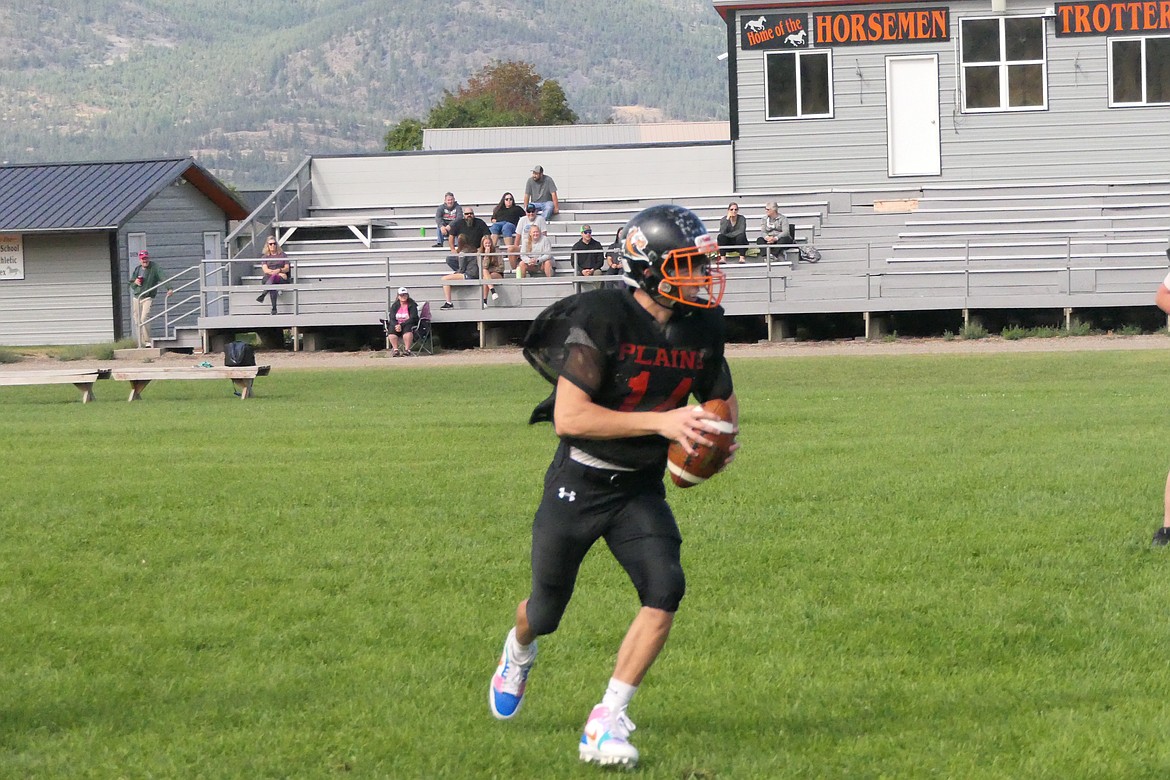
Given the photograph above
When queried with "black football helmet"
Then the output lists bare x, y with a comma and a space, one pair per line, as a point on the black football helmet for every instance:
667, 251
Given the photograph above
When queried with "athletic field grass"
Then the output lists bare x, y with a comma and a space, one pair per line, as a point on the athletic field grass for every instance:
917, 567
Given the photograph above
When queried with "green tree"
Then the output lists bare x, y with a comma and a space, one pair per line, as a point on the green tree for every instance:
405, 136
503, 94
554, 106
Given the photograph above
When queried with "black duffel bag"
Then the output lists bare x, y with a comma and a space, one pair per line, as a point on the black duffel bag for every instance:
239, 353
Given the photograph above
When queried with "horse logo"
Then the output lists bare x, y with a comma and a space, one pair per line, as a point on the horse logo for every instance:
755, 25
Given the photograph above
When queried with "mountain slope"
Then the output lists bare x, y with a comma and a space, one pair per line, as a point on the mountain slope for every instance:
250, 88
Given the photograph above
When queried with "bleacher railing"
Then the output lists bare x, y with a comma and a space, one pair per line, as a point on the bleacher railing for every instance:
968, 274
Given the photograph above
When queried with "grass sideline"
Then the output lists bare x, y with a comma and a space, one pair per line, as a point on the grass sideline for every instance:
919, 566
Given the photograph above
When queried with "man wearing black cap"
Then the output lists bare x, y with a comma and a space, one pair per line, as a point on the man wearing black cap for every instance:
541, 190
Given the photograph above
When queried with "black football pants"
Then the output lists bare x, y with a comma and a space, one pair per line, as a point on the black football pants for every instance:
582, 504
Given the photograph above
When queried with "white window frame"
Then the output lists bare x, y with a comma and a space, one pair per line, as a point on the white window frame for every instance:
1004, 64
1145, 101
799, 54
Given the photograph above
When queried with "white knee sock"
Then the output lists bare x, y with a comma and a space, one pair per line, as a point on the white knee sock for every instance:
520, 653
618, 694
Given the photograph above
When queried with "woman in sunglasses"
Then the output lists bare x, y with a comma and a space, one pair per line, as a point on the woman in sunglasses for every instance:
504, 218
733, 233
274, 264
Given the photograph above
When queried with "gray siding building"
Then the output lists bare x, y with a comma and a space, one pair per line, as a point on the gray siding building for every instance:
70, 233
883, 94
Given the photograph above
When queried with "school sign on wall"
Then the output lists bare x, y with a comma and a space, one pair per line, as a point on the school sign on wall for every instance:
11, 256
1109, 18
896, 25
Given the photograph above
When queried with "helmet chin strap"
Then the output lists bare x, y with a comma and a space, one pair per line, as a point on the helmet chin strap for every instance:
662, 299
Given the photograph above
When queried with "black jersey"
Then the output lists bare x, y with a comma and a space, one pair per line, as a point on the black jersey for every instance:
607, 344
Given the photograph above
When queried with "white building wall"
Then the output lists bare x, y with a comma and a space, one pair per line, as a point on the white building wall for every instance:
1078, 137
64, 297
482, 176
550, 136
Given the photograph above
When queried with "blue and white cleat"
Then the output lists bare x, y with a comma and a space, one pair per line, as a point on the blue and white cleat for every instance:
506, 693
606, 740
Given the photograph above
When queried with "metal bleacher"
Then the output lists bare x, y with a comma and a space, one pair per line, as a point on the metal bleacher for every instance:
1046, 245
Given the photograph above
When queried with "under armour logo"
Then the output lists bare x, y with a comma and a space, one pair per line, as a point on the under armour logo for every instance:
570, 495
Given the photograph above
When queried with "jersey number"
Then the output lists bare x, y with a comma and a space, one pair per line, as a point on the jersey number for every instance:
641, 383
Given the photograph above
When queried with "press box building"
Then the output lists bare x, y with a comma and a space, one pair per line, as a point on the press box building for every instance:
887, 94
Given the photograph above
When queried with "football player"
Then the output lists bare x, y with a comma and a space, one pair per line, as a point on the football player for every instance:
623, 363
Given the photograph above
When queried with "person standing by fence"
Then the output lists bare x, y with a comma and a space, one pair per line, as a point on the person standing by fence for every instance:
144, 286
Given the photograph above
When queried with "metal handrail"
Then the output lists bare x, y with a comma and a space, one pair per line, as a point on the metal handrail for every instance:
171, 323
767, 280
249, 224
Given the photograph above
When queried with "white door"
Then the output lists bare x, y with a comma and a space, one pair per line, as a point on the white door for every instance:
214, 273
135, 243
912, 115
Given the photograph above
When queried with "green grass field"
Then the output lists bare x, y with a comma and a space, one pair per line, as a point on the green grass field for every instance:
917, 567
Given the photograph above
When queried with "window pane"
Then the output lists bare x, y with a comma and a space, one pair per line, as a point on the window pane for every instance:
814, 84
1025, 85
982, 87
1023, 38
1127, 71
781, 85
981, 40
1158, 70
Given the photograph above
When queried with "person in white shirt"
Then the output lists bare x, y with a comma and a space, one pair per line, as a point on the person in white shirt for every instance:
531, 217
535, 253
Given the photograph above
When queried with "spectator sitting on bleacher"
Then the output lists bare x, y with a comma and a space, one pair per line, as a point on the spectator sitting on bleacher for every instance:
274, 264
588, 254
775, 229
465, 263
535, 252
465, 236
492, 266
444, 216
505, 217
404, 315
542, 191
733, 233
613, 253
530, 218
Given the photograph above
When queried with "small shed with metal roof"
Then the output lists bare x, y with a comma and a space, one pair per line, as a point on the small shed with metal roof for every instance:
70, 233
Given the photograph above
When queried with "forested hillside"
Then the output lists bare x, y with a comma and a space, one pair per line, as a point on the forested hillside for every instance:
250, 88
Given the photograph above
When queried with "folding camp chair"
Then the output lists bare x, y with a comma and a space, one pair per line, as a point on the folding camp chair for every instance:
424, 337
423, 340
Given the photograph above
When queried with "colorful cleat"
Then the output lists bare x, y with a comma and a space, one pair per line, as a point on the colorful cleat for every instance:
506, 693
606, 740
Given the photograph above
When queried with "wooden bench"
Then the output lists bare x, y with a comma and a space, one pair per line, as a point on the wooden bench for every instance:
81, 379
139, 378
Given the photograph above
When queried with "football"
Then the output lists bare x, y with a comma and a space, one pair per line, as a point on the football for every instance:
690, 470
